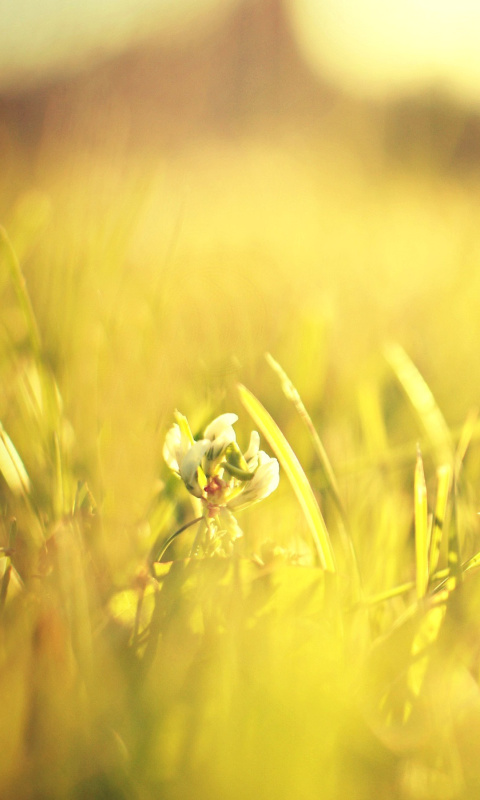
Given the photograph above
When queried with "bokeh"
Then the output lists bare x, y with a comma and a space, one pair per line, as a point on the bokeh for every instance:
188, 190
187, 186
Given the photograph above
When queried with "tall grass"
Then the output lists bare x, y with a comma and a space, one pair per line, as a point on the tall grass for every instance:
334, 654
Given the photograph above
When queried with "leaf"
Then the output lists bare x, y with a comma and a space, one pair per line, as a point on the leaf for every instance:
295, 475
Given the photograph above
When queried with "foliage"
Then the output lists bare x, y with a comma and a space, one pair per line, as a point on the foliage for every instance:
332, 653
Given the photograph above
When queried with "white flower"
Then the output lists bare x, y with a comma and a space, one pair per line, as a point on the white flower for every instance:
178, 442
190, 467
263, 483
220, 434
214, 469
251, 453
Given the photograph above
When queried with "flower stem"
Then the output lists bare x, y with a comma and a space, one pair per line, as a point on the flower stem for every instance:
201, 529
170, 539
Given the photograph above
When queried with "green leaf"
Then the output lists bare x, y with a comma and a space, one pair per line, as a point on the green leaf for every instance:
295, 475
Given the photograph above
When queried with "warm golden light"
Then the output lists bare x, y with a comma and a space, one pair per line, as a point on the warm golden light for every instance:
384, 47
38, 40
239, 436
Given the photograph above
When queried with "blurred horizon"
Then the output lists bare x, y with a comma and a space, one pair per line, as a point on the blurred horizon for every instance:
223, 74
366, 47
214, 195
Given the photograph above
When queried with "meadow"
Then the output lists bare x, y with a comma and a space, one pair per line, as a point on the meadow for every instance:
333, 650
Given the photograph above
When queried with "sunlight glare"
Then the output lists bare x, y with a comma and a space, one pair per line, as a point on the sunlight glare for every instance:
382, 47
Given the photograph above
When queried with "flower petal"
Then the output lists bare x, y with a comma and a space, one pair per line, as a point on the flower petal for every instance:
251, 453
172, 449
220, 444
263, 483
219, 425
190, 464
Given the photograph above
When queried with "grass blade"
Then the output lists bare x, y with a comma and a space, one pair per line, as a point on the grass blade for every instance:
466, 435
11, 466
292, 394
389, 594
423, 403
18, 281
421, 528
444, 479
295, 474
454, 552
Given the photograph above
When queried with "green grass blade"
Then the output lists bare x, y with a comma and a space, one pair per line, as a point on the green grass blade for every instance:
292, 394
18, 281
11, 466
444, 479
421, 528
389, 594
159, 550
423, 403
8, 564
472, 563
454, 552
295, 474
467, 433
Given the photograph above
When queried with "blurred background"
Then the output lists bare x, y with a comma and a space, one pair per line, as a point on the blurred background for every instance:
189, 184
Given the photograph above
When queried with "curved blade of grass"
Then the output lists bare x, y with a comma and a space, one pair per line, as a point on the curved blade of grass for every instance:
421, 528
389, 594
295, 474
467, 433
158, 550
18, 281
455, 567
444, 478
454, 552
292, 394
11, 466
423, 403
50, 400
472, 563
8, 564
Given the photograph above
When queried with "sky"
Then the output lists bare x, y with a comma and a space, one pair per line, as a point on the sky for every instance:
41, 37
369, 47
387, 47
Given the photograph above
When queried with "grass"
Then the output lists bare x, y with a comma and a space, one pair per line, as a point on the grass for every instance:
334, 653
